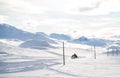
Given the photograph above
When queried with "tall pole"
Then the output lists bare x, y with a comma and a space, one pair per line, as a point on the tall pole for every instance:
63, 54
94, 52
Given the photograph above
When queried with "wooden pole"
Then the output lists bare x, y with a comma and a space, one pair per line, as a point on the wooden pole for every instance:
94, 52
63, 54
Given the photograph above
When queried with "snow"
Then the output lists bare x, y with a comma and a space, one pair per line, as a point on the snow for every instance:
12, 42
16, 62
36, 44
91, 41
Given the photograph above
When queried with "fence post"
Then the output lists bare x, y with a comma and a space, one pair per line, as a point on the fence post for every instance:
63, 54
94, 52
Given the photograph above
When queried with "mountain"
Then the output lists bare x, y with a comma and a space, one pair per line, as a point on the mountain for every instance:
40, 41
97, 42
31, 40
40, 38
81, 39
36, 44
90, 41
41, 33
10, 32
60, 36
44, 37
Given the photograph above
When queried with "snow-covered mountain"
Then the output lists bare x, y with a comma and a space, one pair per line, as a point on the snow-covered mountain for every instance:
60, 36
31, 40
43, 37
10, 32
91, 41
81, 39
40, 38
36, 44
40, 41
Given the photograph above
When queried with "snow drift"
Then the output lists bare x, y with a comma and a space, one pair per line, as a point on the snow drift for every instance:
36, 44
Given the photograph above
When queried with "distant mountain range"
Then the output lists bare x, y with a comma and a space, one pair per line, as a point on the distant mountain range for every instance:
60, 36
42, 39
91, 41
10, 32
30, 40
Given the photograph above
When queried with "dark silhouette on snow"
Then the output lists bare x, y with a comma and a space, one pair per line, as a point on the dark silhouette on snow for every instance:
74, 56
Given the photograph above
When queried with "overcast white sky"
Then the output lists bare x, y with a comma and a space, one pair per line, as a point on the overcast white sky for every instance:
91, 18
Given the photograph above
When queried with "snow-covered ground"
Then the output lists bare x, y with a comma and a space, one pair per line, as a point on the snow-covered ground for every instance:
16, 62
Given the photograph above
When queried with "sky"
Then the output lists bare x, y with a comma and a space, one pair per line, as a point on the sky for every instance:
92, 18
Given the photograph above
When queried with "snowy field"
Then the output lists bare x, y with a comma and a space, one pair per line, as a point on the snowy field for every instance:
16, 62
